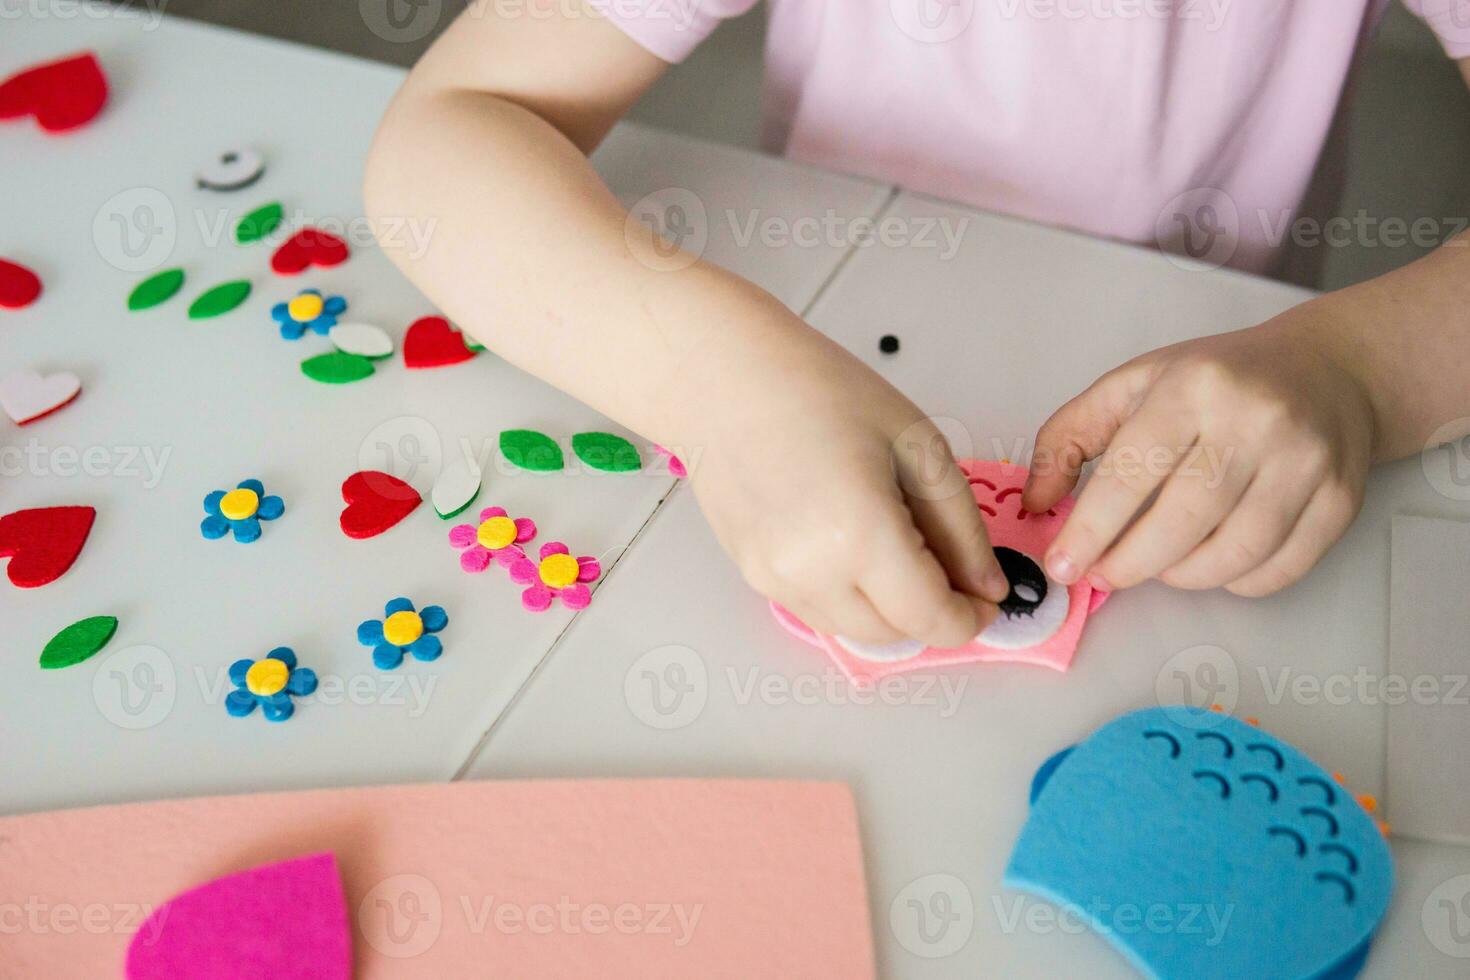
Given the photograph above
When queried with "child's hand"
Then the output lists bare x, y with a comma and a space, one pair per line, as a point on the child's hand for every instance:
1257, 444
838, 499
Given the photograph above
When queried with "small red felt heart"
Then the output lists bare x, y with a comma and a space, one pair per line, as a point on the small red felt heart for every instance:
306, 248
432, 342
19, 286
62, 95
42, 543
375, 502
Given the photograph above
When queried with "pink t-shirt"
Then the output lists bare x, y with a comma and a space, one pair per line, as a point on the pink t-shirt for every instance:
1191, 124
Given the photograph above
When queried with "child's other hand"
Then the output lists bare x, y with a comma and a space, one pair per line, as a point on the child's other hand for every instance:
838, 499
1257, 444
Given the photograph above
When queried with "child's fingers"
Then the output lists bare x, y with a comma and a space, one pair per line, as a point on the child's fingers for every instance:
954, 530
1190, 506
1253, 532
1145, 451
847, 613
1077, 432
911, 591
1325, 519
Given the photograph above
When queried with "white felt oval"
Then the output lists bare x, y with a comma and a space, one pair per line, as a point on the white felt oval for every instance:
1022, 631
26, 395
362, 339
231, 171
458, 484
883, 653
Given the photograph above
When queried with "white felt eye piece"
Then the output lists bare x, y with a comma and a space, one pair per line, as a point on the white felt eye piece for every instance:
1017, 631
232, 170
883, 653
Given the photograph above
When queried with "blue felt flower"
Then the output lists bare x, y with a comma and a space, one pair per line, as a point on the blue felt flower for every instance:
270, 682
240, 510
308, 311
403, 631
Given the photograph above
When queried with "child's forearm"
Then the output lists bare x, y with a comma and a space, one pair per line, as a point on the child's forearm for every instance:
1406, 335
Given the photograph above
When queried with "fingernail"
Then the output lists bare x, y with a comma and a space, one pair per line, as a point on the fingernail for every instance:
996, 586
1061, 568
1099, 583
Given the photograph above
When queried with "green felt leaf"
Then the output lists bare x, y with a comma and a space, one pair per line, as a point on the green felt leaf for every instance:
337, 368
259, 223
221, 299
605, 451
531, 450
156, 289
78, 642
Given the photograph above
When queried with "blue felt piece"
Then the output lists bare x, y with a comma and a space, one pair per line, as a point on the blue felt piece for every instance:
254, 486
386, 656
397, 605
277, 707
1038, 781
435, 618
370, 632
238, 670
247, 530
290, 329
240, 703
211, 502
1162, 830
285, 655
270, 508
426, 648
301, 682
334, 306
214, 527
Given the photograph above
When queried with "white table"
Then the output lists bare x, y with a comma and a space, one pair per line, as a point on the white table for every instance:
224, 400
991, 341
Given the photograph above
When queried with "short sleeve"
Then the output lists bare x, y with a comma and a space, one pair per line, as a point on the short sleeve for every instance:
1450, 19
670, 29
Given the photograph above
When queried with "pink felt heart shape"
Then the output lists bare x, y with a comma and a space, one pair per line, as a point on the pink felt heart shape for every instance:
43, 543
286, 921
26, 396
61, 95
432, 342
375, 502
306, 248
19, 286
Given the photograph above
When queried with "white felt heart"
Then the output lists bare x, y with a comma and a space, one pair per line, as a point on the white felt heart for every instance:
457, 487
26, 396
362, 339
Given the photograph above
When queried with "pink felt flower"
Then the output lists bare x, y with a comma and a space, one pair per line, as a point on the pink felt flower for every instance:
496, 537
677, 469
556, 574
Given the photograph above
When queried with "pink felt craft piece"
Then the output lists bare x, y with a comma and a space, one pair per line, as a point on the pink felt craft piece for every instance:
286, 921
541, 593
997, 488
477, 556
717, 879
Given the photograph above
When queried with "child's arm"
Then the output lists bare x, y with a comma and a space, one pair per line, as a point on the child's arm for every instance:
794, 442
1258, 442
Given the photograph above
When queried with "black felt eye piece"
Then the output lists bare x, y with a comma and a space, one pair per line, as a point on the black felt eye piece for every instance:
1028, 583
888, 344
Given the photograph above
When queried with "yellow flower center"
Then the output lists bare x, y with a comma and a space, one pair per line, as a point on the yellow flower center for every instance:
496, 533
267, 677
402, 628
239, 504
305, 308
559, 571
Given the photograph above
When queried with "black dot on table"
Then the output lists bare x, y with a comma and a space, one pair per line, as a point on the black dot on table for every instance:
889, 344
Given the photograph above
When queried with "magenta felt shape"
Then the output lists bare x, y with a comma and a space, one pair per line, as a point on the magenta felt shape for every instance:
285, 921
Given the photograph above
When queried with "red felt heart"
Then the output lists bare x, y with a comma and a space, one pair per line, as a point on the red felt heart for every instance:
42, 543
62, 95
375, 502
306, 248
19, 286
432, 342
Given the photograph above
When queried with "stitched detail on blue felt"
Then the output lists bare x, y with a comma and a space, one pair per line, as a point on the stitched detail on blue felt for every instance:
1202, 847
